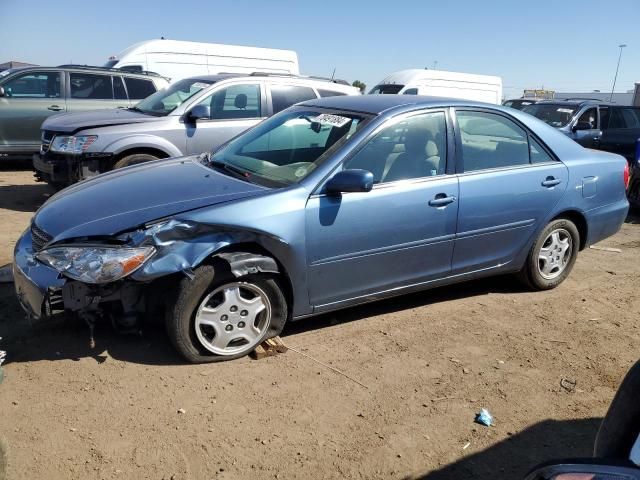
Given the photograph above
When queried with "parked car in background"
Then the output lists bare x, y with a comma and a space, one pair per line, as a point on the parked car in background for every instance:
179, 59
30, 95
331, 203
599, 125
193, 115
439, 83
520, 103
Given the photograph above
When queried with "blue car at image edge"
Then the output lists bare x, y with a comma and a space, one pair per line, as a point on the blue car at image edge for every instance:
331, 203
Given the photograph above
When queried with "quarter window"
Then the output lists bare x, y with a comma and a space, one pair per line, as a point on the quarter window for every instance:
90, 86
283, 96
412, 148
538, 154
329, 93
234, 102
491, 141
139, 88
34, 85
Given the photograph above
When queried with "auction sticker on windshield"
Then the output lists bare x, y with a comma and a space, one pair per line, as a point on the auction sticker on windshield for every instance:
565, 110
334, 120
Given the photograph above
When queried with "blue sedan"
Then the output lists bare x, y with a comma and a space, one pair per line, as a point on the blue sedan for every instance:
331, 203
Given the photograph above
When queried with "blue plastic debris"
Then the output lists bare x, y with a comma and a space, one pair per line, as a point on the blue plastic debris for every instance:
484, 418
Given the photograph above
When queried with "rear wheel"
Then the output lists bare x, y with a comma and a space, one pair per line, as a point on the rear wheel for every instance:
217, 316
134, 159
552, 256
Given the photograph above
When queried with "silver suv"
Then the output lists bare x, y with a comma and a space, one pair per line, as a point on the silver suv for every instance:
191, 116
29, 95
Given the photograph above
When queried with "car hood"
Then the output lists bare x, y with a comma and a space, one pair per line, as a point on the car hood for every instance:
126, 198
73, 122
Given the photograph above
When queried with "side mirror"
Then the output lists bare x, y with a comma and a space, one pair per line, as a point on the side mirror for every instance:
353, 180
587, 469
199, 111
1, 91
582, 126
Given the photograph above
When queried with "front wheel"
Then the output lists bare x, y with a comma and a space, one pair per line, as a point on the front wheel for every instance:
552, 256
134, 159
219, 317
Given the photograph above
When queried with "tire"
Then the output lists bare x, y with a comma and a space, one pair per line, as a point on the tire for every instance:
134, 159
548, 264
196, 301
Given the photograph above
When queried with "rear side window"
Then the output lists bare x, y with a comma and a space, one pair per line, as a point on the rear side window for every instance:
283, 96
34, 85
538, 154
139, 88
119, 93
491, 141
90, 86
624, 118
329, 93
234, 102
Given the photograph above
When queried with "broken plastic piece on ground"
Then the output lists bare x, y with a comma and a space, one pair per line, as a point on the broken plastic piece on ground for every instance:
484, 418
268, 348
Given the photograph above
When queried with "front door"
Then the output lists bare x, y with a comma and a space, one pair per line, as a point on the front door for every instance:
28, 100
509, 183
233, 109
398, 234
588, 137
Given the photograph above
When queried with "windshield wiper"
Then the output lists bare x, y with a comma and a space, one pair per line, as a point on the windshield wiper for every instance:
235, 171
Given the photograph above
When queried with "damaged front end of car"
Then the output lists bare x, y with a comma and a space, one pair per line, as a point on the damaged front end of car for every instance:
127, 277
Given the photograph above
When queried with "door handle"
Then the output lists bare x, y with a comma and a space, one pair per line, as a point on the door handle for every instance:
441, 200
551, 182
55, 108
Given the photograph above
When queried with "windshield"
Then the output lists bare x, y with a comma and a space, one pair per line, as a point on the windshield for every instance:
386, 89
556, 115
519, 104
286, 148
166, 101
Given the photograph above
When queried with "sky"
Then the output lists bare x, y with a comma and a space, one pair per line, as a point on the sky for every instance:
565, 45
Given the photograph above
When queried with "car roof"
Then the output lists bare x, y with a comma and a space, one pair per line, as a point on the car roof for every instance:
224, 76
575, 101
377, 104
87, 68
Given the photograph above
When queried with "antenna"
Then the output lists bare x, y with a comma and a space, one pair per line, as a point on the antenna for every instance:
334, 73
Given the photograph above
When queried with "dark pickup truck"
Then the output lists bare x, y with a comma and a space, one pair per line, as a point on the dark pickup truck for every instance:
600, 125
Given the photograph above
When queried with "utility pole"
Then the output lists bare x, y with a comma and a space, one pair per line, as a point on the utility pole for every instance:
621, 46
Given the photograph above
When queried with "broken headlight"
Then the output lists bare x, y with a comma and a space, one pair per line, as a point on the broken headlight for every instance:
95, 264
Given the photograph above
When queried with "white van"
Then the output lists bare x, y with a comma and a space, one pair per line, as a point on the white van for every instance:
438, 83
178, 59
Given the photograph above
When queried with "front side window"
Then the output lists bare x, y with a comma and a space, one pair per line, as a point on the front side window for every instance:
90, 86
590, 116
283, 96
287, 147
491, 141
556, 115
139, 88
34, 85
412, 148
234, 102
166, 101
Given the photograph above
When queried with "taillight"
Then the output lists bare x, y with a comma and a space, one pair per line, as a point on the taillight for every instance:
626, 176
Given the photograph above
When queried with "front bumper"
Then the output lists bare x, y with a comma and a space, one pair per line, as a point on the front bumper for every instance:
38, 286
66, 169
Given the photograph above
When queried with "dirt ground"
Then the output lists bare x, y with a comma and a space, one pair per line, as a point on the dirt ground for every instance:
420, 368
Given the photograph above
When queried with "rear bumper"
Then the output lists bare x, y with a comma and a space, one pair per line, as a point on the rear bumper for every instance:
37, 285
605, 221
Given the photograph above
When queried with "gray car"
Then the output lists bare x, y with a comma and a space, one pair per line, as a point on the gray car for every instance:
29, 95
191, 116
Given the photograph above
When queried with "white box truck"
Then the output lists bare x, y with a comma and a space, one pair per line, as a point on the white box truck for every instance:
179, 59
438, 83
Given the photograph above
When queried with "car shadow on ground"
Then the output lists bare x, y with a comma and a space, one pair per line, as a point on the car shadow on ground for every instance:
24, 198
68, 338
633, 217
512, 458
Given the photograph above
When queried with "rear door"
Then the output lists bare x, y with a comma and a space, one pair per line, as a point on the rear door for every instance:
622, 131
93, 91
29, 99
509, 184
233, 109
